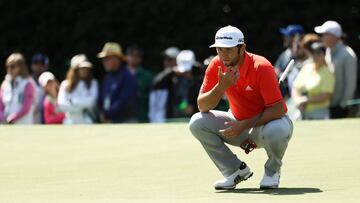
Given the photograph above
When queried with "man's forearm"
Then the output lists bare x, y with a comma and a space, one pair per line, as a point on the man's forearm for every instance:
210, 99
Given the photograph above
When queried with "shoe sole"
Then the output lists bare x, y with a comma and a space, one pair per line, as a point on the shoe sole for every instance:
237, 180
269, 187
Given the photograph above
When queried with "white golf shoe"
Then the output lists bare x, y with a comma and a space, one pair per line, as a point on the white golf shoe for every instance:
269, 182
230, 182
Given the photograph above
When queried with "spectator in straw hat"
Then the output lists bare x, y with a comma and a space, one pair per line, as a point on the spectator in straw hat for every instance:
79, 92
118, 91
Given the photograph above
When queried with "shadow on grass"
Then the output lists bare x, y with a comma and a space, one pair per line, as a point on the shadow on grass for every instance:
278, 191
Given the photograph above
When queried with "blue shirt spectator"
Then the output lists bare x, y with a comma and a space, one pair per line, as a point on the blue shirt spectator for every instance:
118, 92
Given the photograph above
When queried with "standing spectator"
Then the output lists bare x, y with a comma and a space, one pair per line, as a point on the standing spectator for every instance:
343, 62
144, 81
291, 38
118, 92
162, 96
79, 92
314, 85
17, 93
185, 106
39, 64
289, 33
51, 111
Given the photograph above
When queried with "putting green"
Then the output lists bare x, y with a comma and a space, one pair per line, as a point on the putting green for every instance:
164, 163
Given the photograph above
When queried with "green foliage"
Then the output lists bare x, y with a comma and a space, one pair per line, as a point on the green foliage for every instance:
64, 28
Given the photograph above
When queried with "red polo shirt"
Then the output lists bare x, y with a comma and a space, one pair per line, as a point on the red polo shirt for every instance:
256, 89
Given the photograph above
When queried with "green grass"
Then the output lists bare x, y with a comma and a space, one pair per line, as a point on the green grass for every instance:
164, 163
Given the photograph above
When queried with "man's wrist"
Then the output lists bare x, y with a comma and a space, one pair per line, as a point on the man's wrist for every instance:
220, 89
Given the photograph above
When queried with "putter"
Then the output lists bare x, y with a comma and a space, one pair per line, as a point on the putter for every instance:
283, 76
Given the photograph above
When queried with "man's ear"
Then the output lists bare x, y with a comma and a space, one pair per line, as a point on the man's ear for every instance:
243, 48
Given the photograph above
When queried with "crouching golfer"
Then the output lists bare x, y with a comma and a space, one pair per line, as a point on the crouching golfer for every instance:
251, 86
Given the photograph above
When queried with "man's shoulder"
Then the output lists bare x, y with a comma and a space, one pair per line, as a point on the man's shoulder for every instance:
215, 62
260, 61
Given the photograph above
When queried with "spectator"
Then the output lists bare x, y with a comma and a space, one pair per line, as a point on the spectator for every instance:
79, 92
144, 81
301, 57
292, 35
17, 93
39, 64
343, 62
162, 96
314, 85
288, 33
185, 105
51, 111
118, 92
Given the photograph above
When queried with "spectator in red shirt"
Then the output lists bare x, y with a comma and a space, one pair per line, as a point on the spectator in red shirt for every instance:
51, 113
250, 84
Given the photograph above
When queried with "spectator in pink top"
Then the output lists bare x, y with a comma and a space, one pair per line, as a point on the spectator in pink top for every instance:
17, 92
51, 112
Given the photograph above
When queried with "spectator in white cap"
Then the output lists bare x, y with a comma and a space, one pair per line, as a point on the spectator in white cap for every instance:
51, 113
257, 116
342, 61
162, 95
185, 80
79, 92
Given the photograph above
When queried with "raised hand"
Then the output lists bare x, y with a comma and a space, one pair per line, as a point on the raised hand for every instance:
229, 78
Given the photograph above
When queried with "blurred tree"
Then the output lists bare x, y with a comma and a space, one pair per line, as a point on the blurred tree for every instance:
64, 28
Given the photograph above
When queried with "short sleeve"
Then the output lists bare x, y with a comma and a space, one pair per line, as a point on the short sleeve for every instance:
268, 85
211, 77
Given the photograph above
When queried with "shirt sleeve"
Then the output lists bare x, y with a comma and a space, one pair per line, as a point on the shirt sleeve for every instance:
2, 106
210, 78
64, 99
329, 82
29, 96
350, 66
91, 98
268, 85
51, 116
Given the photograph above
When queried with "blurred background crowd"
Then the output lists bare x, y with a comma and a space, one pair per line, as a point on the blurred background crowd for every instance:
157, 78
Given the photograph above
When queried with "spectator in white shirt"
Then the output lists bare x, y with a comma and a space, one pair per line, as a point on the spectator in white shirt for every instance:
17, 92
79, 92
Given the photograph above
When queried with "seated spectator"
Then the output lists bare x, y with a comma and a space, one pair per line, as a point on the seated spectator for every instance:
17, 93
118, 92
51, 112
314, 85
79, 92
144, 81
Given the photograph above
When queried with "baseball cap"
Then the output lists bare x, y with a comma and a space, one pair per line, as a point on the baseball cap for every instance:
171, 52
45, 77
40, 58
80, 61
185, 60
292, 30
330, 27
317, 47
228, 36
